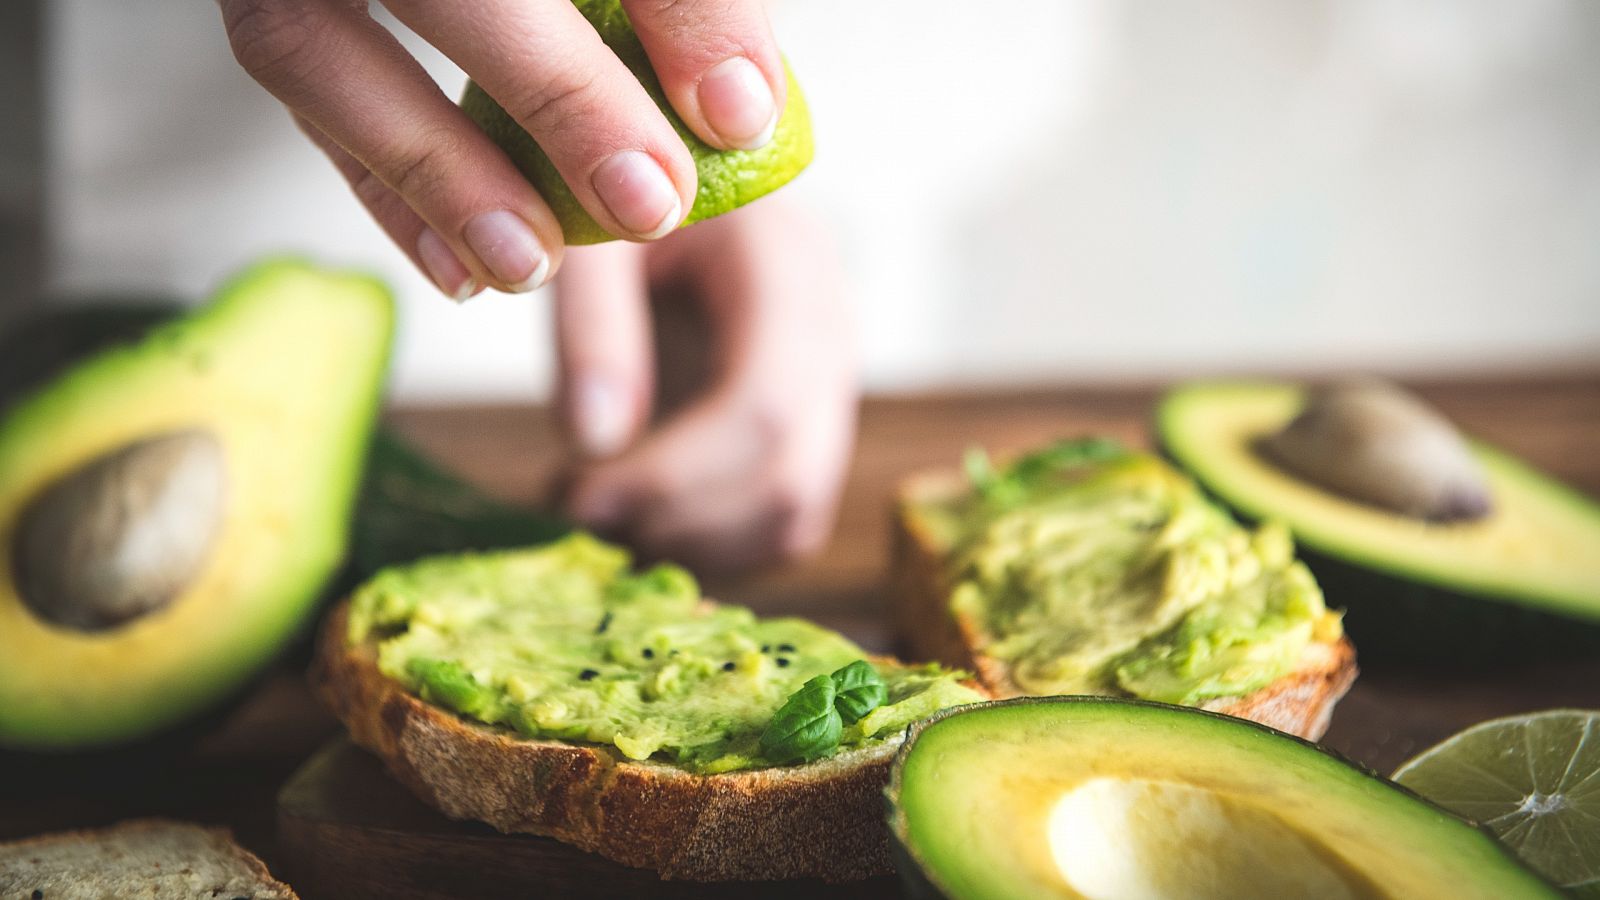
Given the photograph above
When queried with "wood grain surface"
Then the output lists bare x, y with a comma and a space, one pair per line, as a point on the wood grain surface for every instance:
346, 830
232, 775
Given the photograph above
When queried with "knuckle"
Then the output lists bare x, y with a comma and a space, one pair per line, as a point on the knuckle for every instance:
386, 206
664, 13
369, 188
707, 30
553, 107
800, 541
274, 40
422, 171
791, 535
790, 501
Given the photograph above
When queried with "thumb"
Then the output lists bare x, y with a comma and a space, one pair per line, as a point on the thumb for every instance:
605, 376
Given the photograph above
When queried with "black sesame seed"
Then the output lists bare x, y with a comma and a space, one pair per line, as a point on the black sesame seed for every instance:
38, 894
785, 648
649, 654
728, 666
605, 622
588, 675
782, 662
766, 648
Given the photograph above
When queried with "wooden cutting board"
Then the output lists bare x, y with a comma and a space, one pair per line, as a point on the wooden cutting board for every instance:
347, 831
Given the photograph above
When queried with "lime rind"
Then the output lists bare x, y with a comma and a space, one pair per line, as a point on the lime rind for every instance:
727, 179
1533, 781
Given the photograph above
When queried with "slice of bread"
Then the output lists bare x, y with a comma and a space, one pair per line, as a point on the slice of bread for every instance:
1300, 703
149, 858
822, 820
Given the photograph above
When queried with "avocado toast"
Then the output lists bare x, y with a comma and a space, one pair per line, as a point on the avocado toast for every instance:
1085, 568
555, 691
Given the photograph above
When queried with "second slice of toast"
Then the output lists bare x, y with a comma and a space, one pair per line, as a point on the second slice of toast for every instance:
1299, 703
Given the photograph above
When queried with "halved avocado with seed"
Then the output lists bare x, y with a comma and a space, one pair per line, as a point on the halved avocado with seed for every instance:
1438, 546
169, 510
1090, 797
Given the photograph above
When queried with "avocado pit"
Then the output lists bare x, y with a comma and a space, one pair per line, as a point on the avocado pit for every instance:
1375, 443
124, 535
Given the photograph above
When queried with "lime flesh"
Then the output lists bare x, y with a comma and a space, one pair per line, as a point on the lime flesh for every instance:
1533, 780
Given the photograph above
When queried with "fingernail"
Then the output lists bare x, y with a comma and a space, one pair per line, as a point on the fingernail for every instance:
508, 248
738, 104
447, 272
637, 191
600, 415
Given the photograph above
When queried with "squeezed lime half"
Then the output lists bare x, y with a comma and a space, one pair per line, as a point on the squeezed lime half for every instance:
727, 178
1533, 780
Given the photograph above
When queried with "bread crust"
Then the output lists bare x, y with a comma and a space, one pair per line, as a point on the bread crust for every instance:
221, 840
822, 820
1301, 703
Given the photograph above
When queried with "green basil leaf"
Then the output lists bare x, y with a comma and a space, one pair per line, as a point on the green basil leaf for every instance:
857, 690
806, 727
1068, 453
1010, 484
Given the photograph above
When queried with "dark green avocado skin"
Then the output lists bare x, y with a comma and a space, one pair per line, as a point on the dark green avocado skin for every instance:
914, 883
1394, 621
1397, 622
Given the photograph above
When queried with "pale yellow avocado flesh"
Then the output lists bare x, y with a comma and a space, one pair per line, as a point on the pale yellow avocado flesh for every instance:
1540, 542
285, 370
1090, 797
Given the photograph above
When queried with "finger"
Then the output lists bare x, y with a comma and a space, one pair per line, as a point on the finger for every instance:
718, 64
605, 372
548, 68
388, 209
722, 534
690, 454
751, 470
346, 76
716, 488
783, 350
782, 510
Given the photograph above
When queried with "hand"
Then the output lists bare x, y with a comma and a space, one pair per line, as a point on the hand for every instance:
747, 468
441, 189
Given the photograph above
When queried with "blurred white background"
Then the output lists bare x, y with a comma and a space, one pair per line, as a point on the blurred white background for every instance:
1023, 192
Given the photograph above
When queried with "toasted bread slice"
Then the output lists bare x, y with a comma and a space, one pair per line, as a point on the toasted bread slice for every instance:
153, 858
821, 820
1299, 703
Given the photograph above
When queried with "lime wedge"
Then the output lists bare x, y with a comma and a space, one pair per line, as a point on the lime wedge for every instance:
1533, 780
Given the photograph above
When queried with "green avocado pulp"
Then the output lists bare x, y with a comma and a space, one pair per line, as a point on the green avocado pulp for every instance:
1093, 570
567, 642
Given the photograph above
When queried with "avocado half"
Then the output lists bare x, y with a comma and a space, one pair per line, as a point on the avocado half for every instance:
1092, 797
1523, 580
170, 509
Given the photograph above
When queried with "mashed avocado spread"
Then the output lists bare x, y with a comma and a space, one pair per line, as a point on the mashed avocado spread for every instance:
568, 642
1093, 569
